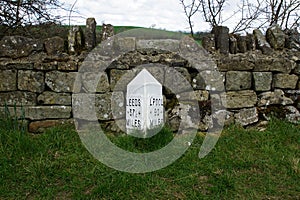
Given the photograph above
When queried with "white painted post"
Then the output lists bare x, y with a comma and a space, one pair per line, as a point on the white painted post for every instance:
144, 104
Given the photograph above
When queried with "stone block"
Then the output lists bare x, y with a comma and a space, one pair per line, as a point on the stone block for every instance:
18, 98
68, 66
54, 45
119, 79
285, 81
242, 44
125, 44
208, 80
164, 44
92, 107
60, 81
95, 82
246, 116
107, 32
236, 80
197, 95
239, 99
176, 82
273, 98
75, 40
221, 38
272, 64
18, 46
262, 81
45, 66
90, 33
261, 42
48, 112
53, 98
8, 80
208, 43
31, 81
233, 45
276, 37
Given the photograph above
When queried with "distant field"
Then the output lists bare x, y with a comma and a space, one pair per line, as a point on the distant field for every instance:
245, 164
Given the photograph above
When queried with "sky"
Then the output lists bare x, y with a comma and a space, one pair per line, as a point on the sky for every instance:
161, 14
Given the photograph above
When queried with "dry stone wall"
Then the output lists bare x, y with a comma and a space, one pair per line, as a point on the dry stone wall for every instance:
38, 78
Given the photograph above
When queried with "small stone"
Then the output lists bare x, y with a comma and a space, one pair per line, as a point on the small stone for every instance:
276, 37
236, 80
247, 116
239, 99
273, 98
31, 81
41, 126
53, 98
285, 81
54, 45
60, 81
262, 81
18, 98
90, 33
8, 80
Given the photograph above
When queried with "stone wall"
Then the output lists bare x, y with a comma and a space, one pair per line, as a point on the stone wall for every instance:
38, 77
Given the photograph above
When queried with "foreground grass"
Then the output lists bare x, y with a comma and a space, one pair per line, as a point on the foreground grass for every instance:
245, 164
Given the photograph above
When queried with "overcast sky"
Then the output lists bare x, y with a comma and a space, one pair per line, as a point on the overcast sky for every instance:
163, 14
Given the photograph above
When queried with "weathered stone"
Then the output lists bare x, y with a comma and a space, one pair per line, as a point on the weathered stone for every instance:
208, 80
239, 99
54, 45
95, 82
285, 81
60, 81
262, 81
247, 116
45, 66
119, 79
297, 68
276, 37
107, 32
250, 40
18, 46
273, 98
208, 43
53, 98
242, 44
90, 33
42, 126
17, 64
236, 80
125, 44
222, 39
68, 66
118, 106
261, 42
233, 45
177, 80
31, 81
292, 115
48, 112
157, 71
197, 95
92, 107
18, 98
283, 65
8, 80
164, 44
75, 40
235, 62
293, 39
184, 114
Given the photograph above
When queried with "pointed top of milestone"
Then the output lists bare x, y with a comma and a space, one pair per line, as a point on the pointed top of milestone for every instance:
144, 77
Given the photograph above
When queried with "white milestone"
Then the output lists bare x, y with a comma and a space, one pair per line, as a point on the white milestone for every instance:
144, 105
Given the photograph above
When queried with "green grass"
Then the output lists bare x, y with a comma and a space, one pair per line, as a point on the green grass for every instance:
245, 164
